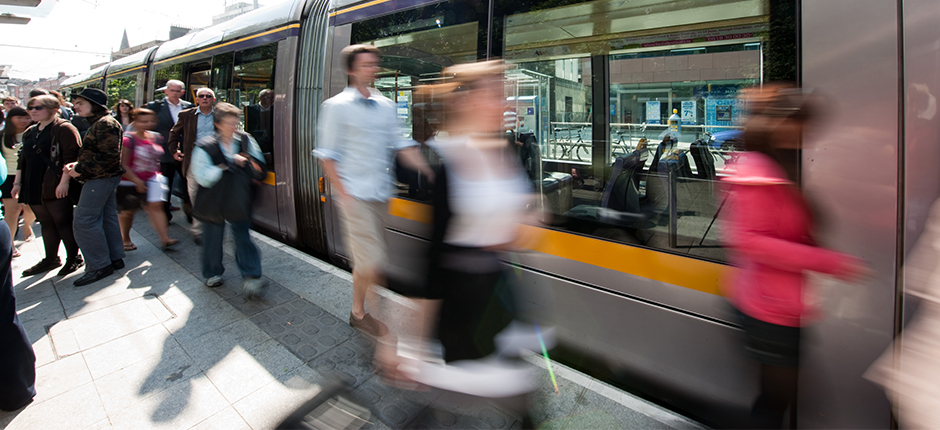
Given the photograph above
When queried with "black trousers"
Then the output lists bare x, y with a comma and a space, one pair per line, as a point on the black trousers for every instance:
55, 217
169, 170
17, 361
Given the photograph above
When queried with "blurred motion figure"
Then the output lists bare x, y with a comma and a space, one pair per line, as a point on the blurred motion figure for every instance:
358, 134
771, 239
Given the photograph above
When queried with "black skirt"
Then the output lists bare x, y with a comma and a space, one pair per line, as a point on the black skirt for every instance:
770, 344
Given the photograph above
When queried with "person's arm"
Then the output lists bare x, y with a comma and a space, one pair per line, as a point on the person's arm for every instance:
15, 192
129, 174
329, 151
70, 145
407, 150
750, 232
106, 137
204, 172
412, 158
177, 134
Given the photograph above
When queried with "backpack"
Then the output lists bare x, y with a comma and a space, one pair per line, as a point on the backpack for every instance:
230, 198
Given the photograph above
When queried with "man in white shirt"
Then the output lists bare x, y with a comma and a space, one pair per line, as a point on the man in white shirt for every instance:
168, 112
358, 136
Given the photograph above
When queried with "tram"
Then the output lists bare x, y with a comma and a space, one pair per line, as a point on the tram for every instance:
630, 265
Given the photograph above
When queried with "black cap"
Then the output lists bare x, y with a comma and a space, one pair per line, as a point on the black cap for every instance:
94, 96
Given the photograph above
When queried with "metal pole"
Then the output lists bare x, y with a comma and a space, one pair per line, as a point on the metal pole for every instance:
673, 210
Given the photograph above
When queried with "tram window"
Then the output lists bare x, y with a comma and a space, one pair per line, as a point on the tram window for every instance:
416, 46
163, 75
221, 76
691, 57
253, 91
123, 88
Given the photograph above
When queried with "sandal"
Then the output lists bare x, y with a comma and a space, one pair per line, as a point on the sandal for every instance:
29, 238
16, 253
130, 247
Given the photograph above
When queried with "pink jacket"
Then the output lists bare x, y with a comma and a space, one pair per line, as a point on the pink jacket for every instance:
769, 237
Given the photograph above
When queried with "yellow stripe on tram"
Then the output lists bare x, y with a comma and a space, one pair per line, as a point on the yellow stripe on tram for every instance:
357, 7
673, 269
269, 179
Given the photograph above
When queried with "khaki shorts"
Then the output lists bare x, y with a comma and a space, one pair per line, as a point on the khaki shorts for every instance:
364, 234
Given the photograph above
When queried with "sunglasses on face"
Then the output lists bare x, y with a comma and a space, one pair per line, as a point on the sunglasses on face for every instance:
35, 108
204, 96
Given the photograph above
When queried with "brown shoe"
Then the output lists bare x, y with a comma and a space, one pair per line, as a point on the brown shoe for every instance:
369, 325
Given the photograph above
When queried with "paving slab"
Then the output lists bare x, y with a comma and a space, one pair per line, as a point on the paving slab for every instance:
136, 383
244, 371
79, 407
183, 405
127, 350
103, 325
61, 376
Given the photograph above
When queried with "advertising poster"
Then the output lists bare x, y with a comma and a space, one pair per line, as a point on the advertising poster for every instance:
689, 112
653, 112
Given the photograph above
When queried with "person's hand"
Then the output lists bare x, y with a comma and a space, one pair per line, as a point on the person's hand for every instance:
854, 269
62, 191
15, 192
240, 160
178, 156
141, 187
70, 170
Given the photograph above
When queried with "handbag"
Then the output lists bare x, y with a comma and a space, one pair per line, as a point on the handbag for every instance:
230, 198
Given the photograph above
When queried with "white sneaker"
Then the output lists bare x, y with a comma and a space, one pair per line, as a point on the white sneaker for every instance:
253, 287
214, 281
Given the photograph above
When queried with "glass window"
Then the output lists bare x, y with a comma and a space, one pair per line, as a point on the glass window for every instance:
635, 109
253, 91
416, 46
123, 88
221, 78
161, 76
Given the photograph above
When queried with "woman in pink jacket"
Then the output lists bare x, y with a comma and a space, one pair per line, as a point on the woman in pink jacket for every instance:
770, 238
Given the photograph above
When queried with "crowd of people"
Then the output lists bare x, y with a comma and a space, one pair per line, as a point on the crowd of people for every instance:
83, 170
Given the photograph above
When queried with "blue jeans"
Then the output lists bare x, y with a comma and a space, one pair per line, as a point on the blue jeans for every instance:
246, 253
96, 225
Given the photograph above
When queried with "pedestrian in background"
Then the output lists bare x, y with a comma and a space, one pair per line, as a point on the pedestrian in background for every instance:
168, 111
65, 112
99, 167
359, 134
17, 121
225, 165
770, 237
194, 124
142, 184
122, 113
48, 146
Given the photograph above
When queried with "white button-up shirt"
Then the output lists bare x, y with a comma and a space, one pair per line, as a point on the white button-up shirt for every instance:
361, 135
175, 110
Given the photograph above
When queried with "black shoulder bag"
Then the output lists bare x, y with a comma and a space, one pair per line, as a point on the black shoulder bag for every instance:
230, 198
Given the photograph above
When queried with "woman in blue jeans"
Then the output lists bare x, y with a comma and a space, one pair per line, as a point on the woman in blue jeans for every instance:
234, 152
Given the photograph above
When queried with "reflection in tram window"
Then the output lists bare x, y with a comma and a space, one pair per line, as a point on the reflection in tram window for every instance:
161, 76
416, 46
253, 91
123, 88
635, 110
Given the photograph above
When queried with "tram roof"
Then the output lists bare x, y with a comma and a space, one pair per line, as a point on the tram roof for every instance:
131, 61
96, 73
265, 18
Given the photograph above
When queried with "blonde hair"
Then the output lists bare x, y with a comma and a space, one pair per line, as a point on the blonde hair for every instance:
47, 101
445, 97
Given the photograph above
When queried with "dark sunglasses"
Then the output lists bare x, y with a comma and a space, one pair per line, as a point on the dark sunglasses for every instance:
205, 96
36, 108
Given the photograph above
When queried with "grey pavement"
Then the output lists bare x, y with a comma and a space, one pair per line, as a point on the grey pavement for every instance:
153, 347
